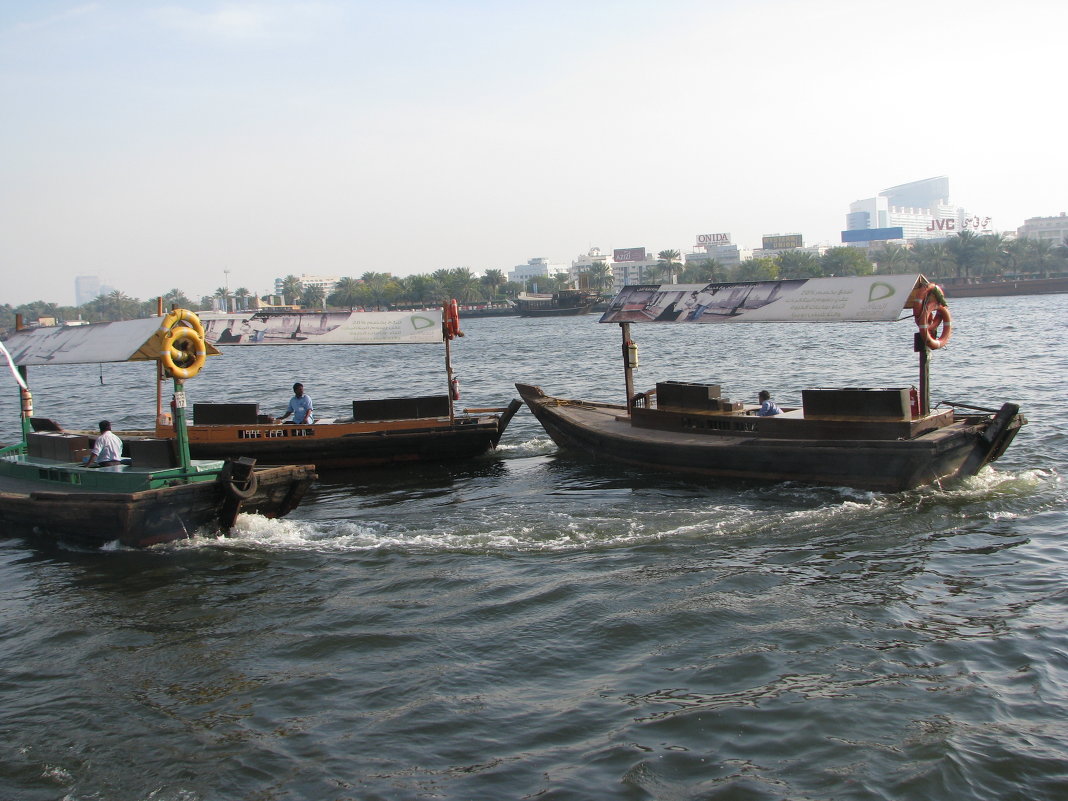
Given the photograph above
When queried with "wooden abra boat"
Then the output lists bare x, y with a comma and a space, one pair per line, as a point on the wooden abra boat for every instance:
557, 304
878, 439
381, 431
158, 493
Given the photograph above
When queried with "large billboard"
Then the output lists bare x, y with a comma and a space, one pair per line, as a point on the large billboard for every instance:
782, 242
324, 328
873, 234
628, 254
706, 240
849, 298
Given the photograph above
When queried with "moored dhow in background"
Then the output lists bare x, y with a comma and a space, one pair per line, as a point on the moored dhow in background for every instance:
880, 439
556, 304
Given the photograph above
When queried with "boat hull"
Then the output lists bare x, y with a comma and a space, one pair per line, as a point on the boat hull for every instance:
605, 432
349, 445
94, 518
566, 311
988, 289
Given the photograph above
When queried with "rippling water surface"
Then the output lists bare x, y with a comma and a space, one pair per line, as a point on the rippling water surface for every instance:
533, 624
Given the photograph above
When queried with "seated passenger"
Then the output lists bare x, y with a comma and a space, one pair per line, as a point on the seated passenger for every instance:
767, 405
107, 450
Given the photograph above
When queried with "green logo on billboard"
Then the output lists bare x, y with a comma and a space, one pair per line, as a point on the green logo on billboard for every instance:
419, 323
879, 291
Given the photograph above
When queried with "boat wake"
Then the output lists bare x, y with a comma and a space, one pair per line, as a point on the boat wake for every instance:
683, 514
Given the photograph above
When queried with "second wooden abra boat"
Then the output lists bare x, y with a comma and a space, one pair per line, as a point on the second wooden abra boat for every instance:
158, 493
878, 439
381, 431
556, 304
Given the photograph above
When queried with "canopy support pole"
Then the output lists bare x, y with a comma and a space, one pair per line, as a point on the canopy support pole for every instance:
181, 435
925, 374
448, 377
628, 371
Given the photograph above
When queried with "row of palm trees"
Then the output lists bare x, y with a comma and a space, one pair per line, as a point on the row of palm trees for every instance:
965, 255
968, 255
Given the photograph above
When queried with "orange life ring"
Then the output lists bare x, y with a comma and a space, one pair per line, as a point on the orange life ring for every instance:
931, 313
452, 320
183, 352
939, 316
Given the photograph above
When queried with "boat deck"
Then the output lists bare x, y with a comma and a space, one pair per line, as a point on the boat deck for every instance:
23, 475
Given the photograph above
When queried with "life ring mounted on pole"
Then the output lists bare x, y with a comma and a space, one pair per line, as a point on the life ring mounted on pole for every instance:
932, 317
451, 320
183, 351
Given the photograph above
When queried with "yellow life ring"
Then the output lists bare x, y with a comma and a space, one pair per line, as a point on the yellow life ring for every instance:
179, 316
183, 352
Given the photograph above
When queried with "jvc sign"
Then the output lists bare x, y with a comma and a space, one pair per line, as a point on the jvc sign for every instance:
968, 223
703, 240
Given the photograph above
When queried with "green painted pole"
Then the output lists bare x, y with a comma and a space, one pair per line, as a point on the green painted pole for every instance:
181, 434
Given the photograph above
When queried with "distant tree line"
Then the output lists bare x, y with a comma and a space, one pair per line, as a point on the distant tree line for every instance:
966, 255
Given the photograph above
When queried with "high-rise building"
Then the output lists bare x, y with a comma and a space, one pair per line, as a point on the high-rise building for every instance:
921, 209
86, 288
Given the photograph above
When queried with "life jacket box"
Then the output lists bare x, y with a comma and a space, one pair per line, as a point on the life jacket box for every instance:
401, 408
219, 414
152, 452
858, 404
687, 395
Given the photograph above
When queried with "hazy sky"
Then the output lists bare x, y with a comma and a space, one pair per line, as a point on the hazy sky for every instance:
158, 144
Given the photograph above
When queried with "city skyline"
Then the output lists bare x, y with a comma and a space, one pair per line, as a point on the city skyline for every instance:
209, 144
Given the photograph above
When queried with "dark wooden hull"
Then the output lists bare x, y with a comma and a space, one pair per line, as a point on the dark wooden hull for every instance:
148, 517
556, 311
986, 289
605, 432
349, 445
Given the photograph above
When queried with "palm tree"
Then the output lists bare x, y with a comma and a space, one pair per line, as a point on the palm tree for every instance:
223, 294
494, 279
464, 285
668, 260
346, 293
242, 296
1039, 256
376, 286
965, 251
891, 259
846, 261
930, 258
760, 269
655, 273
291, 288
312, 297
421, 289
705, 271
118, 305
601, 278
796, 264
177, 299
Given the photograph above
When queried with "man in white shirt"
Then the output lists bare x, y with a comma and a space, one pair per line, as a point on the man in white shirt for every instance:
107, 450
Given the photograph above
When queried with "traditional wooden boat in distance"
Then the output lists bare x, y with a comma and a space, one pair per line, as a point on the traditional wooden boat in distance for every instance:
1002, 286
381, 431
878, 439
157, 493
556, 304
